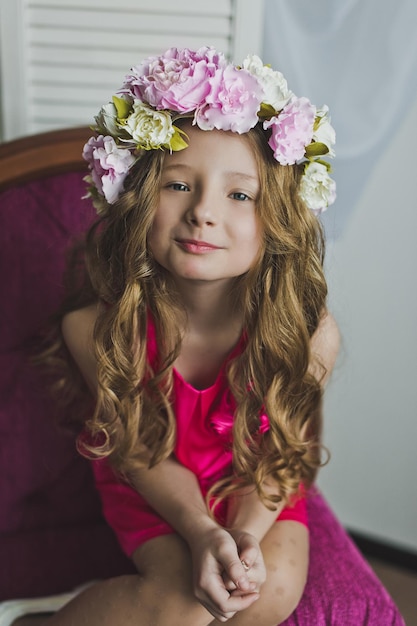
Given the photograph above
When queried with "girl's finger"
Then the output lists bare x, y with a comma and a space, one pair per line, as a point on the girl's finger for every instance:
221, 617
220, 602
234, 605
248, 551
237, 572
229, 584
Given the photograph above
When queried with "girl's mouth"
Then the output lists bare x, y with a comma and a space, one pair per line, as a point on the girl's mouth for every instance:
194, 246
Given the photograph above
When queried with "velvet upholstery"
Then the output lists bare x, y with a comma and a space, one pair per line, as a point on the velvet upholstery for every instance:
52, 534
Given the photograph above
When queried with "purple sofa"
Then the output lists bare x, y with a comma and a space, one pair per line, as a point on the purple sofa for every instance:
52, 534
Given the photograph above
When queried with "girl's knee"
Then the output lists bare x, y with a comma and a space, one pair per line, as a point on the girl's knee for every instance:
278, 603
287, 605
152, 599
107, 602
286, 558
166, 587
169, 598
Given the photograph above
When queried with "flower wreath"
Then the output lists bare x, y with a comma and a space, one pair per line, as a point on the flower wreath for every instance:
216, 95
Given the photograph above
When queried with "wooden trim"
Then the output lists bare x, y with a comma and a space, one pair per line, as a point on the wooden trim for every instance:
44, 154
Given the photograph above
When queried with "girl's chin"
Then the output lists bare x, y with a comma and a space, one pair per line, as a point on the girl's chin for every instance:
202, 278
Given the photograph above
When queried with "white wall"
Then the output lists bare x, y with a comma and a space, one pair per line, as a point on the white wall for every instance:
371, 407
365, 70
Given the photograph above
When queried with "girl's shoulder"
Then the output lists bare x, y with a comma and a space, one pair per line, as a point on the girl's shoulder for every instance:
325, 344
78, 325
77, 330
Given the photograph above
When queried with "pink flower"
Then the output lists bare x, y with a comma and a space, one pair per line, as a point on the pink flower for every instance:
233, 102
292, 130
176, 80
108, 164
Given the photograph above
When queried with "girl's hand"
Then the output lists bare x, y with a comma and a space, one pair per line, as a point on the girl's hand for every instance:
252, 560
216, 559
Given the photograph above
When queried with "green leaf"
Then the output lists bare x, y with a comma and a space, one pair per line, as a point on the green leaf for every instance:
266, 111
177, 142
122, 108
315, 149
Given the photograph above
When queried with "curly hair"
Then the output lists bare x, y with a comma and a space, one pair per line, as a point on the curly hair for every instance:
282, 297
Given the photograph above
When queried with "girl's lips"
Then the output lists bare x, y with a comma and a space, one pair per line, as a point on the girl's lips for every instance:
196, 247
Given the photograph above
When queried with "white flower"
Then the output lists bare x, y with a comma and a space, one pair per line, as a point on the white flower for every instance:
149, 129
274, 84
106, 120
214, 94
323, 130
317, 189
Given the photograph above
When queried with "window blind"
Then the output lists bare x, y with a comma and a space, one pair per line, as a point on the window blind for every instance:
62, 59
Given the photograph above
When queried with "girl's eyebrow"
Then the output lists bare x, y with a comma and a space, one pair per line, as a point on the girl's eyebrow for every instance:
237, 174
177, 166
227, 174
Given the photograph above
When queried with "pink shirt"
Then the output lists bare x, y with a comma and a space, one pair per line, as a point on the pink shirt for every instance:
203, 445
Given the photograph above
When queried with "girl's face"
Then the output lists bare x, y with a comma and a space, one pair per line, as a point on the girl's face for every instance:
205, 226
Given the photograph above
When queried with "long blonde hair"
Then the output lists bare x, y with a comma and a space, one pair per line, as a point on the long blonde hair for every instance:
282, 297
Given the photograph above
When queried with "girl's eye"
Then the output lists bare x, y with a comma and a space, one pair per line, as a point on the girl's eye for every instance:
178, 187
239, 195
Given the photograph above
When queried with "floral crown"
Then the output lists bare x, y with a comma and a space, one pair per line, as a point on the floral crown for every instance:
216, 94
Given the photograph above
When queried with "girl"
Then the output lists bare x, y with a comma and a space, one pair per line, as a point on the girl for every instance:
205, 339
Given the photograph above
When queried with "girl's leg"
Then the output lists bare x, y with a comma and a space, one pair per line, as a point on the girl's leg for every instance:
160, 595
285, 549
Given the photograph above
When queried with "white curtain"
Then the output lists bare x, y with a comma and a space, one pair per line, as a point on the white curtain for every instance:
360, 58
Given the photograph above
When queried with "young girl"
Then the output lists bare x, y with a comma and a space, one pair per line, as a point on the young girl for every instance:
205, 340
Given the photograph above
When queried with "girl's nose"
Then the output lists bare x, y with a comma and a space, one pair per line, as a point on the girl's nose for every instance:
202, 212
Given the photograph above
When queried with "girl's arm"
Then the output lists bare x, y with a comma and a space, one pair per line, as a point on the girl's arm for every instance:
325, 344
217, 559
246, 512
247, 516
173, 491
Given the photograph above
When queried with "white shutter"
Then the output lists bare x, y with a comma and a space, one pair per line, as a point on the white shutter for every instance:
62, 59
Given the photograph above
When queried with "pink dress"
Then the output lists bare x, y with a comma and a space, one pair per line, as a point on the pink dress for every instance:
204, 426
